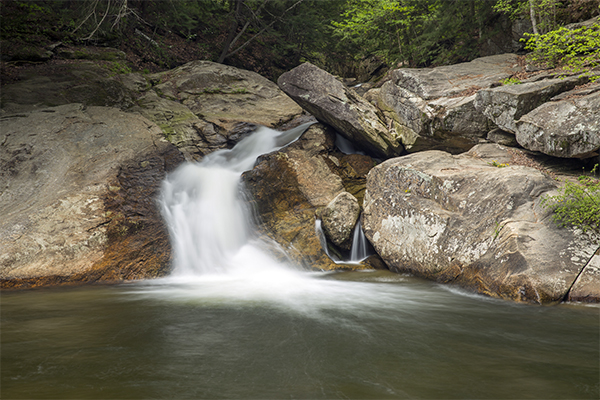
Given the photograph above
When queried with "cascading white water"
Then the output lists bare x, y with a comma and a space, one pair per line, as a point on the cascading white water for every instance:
201, 204
360, 246
359, 249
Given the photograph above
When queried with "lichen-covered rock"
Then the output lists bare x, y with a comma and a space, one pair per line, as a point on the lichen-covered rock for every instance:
505, 105
568, 128
77, 196
332, 103
470, 220
286, 189
339, 218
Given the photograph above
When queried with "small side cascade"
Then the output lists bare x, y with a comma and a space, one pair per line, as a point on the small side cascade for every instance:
360, 249
360, 246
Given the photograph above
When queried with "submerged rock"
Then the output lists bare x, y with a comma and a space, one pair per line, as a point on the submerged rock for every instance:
77, 199
474, 221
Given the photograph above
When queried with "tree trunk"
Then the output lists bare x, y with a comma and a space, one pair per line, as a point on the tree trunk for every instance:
532, 15
232, 29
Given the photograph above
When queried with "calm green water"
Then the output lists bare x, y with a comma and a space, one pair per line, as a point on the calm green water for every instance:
349, 335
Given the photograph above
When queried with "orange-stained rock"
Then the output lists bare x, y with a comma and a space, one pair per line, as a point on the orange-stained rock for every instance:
287, 188
78, 199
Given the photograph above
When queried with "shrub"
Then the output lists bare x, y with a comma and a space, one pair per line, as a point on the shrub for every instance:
577, 204
574, 49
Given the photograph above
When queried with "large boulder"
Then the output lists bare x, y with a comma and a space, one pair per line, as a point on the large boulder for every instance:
200, 107
505, 105
225, 96
475, 221
568, 128
455, 80
433, 108
78, 188
289, 187
340, 107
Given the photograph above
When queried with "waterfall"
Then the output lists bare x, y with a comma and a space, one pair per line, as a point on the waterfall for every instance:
360, 247
359, 250
201, 204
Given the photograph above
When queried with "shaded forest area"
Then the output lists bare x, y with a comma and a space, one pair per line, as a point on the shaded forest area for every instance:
350, 38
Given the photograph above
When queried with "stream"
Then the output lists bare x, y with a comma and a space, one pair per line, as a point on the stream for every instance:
232, 322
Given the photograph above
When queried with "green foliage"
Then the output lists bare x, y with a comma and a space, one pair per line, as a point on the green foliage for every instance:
117, 68
573, 49
416, 32
511, 81
577, 204
544, 11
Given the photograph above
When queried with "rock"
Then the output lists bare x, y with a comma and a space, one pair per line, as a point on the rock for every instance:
339, 218
454, 80
469, 220
286, 189
433, 108
502, 137
81, 82
225, 96
78, 188
505, 105
332, 103
204, 106
192, 135
586, 287
568, 128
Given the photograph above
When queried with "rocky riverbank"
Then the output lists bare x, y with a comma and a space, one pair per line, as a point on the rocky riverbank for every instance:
84, 151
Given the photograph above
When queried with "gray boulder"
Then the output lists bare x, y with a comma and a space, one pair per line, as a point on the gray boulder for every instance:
433, 108
505, 105
470, 220
455, 80
569, 128
340, 107
339, 218
225, 96
77, 190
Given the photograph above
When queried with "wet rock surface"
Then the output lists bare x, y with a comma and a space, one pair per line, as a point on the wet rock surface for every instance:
289, 187
339, 218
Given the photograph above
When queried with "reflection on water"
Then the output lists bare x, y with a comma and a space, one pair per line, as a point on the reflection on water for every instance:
285, 334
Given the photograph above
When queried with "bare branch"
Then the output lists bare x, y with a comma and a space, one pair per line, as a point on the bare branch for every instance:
261, 31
